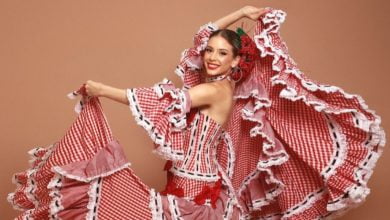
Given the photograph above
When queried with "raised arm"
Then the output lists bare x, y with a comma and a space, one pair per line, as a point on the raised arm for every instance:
247, 11
119, 95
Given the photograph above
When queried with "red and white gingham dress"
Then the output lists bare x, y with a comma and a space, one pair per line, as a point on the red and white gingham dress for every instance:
293, 149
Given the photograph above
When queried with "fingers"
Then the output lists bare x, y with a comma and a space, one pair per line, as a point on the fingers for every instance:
89, 88
254, 13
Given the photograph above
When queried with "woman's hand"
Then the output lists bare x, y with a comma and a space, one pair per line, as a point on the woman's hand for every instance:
253, 12
247, 11
94, 88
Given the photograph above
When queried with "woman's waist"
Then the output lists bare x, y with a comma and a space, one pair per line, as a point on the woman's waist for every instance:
205, 174
195, 190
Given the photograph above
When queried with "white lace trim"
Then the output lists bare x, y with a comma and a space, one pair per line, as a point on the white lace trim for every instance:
59, 170
273, 20
26, 215
231, 155
80, 104
257, 204
244, 216
266, 47
339, 146
55, 203
190, 174
31, 188
34, 157
199, 149
305, 204
164, 149
254, 174
179, 121
31, 185
192, 142
10, 199
94, 193
155, 205
211, 148
299, 208
275, 158
228, 209
173, 208
231, 192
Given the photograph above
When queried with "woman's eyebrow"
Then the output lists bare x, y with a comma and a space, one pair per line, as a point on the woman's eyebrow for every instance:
220, 49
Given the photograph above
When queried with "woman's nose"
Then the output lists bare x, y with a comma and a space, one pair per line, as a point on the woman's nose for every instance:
213, 56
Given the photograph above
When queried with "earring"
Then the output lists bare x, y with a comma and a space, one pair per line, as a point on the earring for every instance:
236, 74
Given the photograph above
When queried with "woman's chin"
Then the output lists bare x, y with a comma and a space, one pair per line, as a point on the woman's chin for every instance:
213, 73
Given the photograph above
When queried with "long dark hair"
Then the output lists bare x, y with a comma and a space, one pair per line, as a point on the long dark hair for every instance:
231, 37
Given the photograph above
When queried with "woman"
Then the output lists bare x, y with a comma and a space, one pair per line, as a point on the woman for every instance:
219, 59
248, 136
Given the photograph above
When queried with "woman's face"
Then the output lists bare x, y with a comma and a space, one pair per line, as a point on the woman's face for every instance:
218, 56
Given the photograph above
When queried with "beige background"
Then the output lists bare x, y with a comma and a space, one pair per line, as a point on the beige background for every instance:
49, 48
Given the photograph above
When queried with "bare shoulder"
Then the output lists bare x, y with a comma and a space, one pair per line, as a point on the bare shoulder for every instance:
206, 94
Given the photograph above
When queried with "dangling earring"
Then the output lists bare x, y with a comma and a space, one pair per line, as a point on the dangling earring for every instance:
236, 74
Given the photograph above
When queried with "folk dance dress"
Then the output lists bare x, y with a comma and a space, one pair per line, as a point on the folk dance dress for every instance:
292, 149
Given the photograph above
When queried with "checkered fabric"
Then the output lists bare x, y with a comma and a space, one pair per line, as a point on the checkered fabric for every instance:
292, 149
330, 139
82, 176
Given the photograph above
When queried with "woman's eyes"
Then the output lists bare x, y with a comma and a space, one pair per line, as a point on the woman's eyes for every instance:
209, 50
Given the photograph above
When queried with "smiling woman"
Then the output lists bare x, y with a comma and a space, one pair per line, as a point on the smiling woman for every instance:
221, 53
248, 136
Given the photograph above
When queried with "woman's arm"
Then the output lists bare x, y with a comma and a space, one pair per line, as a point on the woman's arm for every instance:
247, 11
100, 90
200, 95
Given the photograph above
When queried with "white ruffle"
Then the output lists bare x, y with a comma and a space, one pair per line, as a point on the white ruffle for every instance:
55, 203
272, 22
173, 208
270, 195
36, 163
179, 121
94, 198
208, 177
339, 154
265, 45
164, 149
10, 199
155, 205
231, 155
228, 209
299, 208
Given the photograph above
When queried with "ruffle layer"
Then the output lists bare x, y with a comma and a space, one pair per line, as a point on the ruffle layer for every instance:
338, 107
75, 188
24, 198
261, 186
172, 207
64, 178
161, 111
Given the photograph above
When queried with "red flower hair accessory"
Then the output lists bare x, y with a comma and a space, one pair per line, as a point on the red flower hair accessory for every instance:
248, 53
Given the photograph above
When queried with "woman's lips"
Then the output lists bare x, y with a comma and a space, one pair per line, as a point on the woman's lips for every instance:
212, 66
